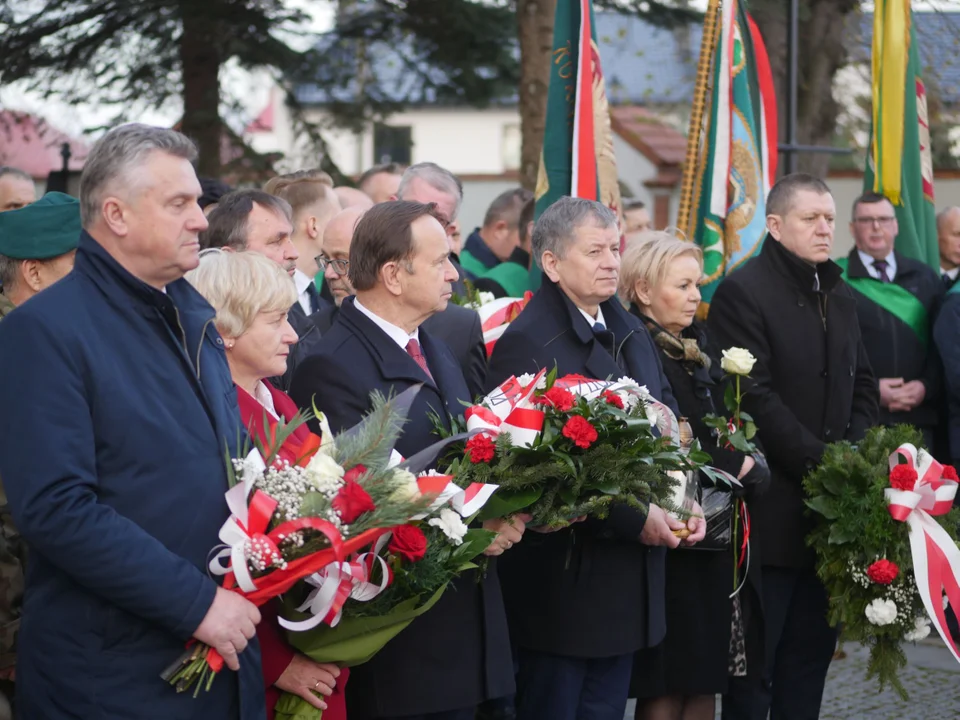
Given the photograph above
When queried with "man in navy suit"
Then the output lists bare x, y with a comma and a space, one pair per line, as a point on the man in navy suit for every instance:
582, 600
457, 654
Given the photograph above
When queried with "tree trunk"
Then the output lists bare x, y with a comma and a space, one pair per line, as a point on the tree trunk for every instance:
822, 52
535, 31
200, 62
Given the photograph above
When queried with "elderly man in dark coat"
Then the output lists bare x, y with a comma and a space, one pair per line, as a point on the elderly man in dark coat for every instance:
582, 600
811, 385
457, 654
114, 459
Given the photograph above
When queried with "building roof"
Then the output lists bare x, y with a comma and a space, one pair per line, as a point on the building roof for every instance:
646, 133
29, 143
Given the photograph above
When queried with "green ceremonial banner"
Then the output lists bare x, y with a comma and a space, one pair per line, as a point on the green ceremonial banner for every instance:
916, 214
577, 157
736, 164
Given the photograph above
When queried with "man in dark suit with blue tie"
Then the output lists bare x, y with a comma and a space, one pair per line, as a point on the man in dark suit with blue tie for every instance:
582, 600
457, 654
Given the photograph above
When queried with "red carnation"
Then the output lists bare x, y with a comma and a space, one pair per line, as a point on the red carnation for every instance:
480, 449
559, 398
352, 501
903, 477
949, 473
354, 473
580, 431
408, 542
613, 399
883, 572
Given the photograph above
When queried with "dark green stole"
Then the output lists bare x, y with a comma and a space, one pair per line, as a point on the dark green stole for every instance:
898, 301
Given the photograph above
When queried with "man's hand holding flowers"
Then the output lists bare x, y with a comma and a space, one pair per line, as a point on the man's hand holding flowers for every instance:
228, 625
509, 532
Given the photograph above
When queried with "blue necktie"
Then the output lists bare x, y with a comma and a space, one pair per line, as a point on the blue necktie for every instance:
314, 298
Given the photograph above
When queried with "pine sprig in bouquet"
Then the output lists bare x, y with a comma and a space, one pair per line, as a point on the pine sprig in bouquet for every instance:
864, 555
562, 448
289, 519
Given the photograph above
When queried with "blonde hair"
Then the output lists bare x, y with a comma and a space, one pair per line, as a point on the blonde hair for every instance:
240, 286
647, 260
302, 189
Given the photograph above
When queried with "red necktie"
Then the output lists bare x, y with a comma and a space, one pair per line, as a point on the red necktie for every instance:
413, 350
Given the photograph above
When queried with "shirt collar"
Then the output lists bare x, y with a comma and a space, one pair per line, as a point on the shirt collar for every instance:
264, 397
302, 281
952, 274
868, 261
593, 321
397, 334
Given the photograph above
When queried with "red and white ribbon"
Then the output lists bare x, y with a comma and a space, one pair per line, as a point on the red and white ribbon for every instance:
936, 559
466, 501
496, 316
509, 409
339, 582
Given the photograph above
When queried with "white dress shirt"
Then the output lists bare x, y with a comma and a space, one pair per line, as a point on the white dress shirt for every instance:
597, 319
398, 335
952, 274
874, 273
302, 281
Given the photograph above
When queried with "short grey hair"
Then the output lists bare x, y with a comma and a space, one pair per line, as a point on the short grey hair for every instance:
15, 172
436, 177
119, 155
9, 270
556, 228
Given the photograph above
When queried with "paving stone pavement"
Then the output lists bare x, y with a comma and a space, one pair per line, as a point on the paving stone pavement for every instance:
931, 677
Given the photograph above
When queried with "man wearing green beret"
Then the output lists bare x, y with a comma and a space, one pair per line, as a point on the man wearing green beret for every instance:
37, 246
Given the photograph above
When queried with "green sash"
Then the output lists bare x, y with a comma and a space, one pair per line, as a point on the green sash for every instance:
513, 278
897, 301
469, 263
954, 288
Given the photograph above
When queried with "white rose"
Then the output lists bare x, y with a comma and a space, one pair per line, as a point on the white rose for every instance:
324, 473
921, 628
406, 486
451, 525
881, 612
737, 361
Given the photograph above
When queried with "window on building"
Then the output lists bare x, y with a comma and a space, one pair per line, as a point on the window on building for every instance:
510, 147
392, 143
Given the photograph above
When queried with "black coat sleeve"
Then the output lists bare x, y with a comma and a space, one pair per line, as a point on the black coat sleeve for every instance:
865, 412
475, 366
736, 321
322, 381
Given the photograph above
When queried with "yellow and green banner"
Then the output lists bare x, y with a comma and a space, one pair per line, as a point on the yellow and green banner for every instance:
900, 165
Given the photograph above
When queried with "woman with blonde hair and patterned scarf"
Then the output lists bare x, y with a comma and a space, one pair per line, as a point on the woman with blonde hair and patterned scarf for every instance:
706, 643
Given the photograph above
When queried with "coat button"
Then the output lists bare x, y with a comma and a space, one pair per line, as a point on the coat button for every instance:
219, 341
827, 433
851, 371
799, 303
823, 373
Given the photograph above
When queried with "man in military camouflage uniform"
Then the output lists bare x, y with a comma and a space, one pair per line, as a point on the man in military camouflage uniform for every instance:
37, 245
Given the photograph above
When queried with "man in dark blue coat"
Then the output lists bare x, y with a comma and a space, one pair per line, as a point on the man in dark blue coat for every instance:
457, 654
119, 409
582, 600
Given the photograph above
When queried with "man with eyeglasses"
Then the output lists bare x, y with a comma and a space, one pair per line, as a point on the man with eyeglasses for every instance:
896, 300
334, 263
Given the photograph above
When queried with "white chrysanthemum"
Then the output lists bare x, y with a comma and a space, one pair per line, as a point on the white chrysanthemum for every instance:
881, 612
324, 473
485, 297
451, 525
527, 378
921, 628
406, 486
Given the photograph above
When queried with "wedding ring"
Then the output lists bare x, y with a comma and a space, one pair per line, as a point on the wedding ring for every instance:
316, 685
509, 544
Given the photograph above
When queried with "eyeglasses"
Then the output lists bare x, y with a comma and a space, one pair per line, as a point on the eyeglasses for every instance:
880, 221
339, 266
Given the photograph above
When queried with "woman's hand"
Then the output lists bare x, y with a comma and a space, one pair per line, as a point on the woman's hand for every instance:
509, 533
304, 678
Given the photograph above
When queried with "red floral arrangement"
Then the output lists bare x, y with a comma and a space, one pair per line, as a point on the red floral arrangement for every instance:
903, 477
579, 429
480, 449
883, 572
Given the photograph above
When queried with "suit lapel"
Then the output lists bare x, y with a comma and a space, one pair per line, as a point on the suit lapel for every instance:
392, 360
